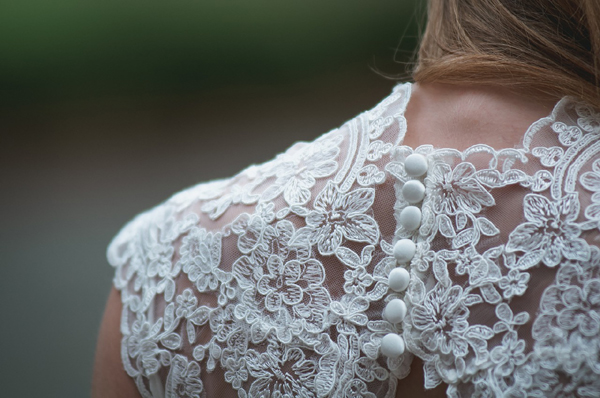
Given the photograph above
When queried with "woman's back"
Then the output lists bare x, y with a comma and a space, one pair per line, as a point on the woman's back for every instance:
276, 282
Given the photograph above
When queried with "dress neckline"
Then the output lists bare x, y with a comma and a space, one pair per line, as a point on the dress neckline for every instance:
522, 145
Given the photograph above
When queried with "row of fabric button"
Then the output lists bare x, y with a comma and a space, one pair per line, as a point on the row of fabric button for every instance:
392, 344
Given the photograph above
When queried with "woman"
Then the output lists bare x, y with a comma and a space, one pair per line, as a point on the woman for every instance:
375, 261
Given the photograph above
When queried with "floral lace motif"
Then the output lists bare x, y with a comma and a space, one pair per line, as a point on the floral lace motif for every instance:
272, 283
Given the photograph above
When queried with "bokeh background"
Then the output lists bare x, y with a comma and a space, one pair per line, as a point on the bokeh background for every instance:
107, 108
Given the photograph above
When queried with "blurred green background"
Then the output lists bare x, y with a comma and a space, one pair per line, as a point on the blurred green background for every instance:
107, 108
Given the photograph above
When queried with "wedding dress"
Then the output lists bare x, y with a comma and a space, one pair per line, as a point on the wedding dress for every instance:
323, 272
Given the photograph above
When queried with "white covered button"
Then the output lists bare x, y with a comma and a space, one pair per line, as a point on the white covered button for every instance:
413, 191
404, 250
398, 279
410, 218
395, 311
392, 345
415, 165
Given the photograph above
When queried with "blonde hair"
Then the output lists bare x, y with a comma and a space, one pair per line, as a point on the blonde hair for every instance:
551, 47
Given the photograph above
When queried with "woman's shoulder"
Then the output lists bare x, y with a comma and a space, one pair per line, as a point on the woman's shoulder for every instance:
290, 178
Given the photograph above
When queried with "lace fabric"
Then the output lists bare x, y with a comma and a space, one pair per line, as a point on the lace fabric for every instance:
272, 283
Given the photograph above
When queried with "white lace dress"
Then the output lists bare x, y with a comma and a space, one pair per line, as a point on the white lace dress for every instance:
276, 282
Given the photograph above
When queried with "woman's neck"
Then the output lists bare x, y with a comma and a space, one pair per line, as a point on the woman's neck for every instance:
458, 116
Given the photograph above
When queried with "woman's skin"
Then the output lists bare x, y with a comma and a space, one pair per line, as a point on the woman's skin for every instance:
459, 116
446, 116
109, 378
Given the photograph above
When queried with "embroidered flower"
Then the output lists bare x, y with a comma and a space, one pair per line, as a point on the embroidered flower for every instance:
236, 372
187, 307
480, 268
572, 304
258, 237
142, 345
259, 240
455, 190
423, 258
357, 280
569, 367
441, 331
338, 216
183, 380
550, 229
514, 284
349, 312
281, 284
282, 372
200, 258
589, 119
591, 181
158, 257
187, 303
298, 169
578, 307
508, 355
442, 320
287, 296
